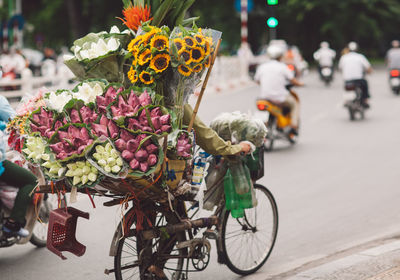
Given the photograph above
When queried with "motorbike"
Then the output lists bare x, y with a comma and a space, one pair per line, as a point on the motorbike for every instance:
353, 101
394, 81
278, 122
37, 217
326, 74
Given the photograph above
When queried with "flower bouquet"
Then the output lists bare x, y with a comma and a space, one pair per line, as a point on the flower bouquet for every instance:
99, 55
119, 124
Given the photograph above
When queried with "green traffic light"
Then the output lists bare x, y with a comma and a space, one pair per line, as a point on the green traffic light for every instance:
272, 2
272, 22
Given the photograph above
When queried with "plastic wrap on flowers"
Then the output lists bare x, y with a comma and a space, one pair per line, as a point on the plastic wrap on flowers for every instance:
238, 127
155, 120
128, 103
88, 90
180, 145
45, 122
81, 174
104, 156
99, 55
71, 141
141, 151
191, 51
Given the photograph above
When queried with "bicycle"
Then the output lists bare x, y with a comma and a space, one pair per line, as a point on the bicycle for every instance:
172, 244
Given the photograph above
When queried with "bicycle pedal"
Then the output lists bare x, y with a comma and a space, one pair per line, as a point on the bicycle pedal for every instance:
211, 234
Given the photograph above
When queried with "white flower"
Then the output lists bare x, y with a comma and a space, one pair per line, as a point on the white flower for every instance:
57, 101
88, 92
112, 44
114, 29
96, 49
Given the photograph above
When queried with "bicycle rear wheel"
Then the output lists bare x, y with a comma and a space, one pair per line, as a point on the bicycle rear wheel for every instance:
128, 266
247, 242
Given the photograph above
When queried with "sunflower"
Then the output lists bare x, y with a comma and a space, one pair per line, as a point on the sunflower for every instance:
197, 68
188, 41
207, 48
160, 62
146, 78
144, 57
179, 43
186, 56
134, 16
149, 35
197, 54
132, 75
159, 42
199, 39
184, 70
134, 43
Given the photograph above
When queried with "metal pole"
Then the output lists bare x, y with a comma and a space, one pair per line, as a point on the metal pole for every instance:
243, 19
272, 34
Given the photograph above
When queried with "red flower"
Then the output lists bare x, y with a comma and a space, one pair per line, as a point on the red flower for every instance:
135, 16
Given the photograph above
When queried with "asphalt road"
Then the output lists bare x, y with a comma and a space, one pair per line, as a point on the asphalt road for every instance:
336, 188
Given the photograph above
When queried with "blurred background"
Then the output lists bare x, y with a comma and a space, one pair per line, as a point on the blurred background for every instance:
372, 23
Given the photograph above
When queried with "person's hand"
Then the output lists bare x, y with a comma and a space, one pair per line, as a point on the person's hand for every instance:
246, 148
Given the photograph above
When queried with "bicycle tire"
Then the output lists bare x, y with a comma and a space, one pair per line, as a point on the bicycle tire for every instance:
229, 258
175, 275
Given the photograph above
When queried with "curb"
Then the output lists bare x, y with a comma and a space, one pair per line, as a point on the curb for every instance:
379, 262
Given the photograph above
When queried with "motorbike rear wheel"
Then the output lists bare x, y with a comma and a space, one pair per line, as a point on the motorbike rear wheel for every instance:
271, 130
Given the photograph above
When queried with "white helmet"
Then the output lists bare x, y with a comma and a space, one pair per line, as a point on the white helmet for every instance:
353, 46
324, 45
275, 52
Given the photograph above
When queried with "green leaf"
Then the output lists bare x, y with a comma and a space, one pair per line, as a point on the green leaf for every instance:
183, 11
189, 21
162, 12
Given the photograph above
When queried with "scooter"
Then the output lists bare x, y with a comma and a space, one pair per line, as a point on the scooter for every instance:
326, 74
278, 122
353, 101
37, 217
394, 81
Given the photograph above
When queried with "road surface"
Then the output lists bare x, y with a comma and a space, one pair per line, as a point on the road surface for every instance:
336, 188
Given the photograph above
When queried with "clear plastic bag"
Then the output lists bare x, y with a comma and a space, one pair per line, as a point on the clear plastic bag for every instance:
237, 127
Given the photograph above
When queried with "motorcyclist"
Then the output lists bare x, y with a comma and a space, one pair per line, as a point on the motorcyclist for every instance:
16, 176
325, 57
273, 77
354, 66
393, 55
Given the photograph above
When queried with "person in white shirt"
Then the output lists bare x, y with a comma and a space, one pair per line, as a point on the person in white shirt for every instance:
325, 56
354, 66
393, 55
273, 77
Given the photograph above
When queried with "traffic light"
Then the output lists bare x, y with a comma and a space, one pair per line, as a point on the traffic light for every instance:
272, 22
272, 2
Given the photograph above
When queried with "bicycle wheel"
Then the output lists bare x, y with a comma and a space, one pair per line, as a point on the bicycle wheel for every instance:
126, 262
39, 232
247, 242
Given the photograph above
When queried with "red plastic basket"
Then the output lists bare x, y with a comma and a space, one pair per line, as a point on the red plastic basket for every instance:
62, 229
